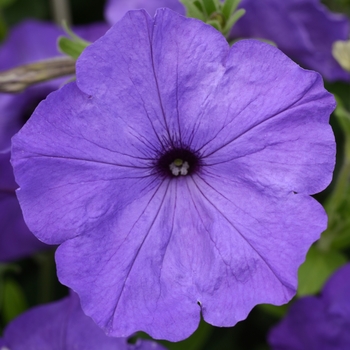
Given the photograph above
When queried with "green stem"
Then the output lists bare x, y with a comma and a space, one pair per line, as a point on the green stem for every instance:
61, 11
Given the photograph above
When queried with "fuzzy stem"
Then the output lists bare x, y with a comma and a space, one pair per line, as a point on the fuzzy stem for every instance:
61, 11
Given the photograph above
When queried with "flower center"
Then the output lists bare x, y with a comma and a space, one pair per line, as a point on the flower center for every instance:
178, 162
179, 167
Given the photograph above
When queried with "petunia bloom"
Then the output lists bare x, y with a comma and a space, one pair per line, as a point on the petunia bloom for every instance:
28, 42
318, 322
305, 30
63, 325
175, 174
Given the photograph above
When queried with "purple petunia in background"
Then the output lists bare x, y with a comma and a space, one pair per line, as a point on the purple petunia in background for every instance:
28, 42
305, 30
176, 175
318, 322
63, 325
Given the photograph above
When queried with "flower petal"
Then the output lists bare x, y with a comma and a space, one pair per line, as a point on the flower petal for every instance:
213, 257
63, 165
278, 126
260, 240
166, 73
130, 286
116, 9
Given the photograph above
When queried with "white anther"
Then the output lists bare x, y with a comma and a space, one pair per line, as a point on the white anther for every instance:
179, 169
184, 168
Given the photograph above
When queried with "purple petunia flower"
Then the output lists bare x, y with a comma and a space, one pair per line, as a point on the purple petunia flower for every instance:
28, 42
318, 322
305, 30
63, 325
176, 173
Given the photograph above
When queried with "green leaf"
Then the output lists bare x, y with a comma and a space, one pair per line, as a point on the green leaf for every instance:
70, 47
344, 117
337, 205
73, 36
192, 10
337, 235
6, 3
229, 7
318, 266
14, 302
199, 5
209, 7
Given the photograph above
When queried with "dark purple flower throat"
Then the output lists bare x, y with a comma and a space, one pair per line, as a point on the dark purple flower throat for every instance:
178, 161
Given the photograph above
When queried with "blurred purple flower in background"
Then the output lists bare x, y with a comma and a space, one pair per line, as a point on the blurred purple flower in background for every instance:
303, 29
28, 42
176, 173
63, 325
318, 322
